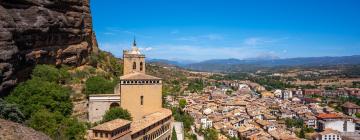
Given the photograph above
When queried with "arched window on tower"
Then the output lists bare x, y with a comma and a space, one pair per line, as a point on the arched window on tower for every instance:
141, 66
134, 65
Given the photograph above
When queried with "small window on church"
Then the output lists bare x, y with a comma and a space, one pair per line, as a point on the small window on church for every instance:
141, 100
141, 66
134, 65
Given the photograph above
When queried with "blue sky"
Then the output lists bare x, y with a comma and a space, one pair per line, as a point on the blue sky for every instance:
216, 29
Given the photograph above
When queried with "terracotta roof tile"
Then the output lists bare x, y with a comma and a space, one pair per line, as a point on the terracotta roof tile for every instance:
350, 105
111, 125
328, 116
153, 118
138, 76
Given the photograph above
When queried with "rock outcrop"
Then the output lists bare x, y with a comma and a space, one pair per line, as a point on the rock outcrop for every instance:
13, 131
42, 31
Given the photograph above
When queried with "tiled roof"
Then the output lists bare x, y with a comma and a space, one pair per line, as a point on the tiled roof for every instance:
138, 76
111, 125
328, 116
148, 120
350, 105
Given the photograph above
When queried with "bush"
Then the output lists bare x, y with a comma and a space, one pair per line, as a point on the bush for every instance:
46, 104
57, 126
116, 113
210, 134
36, 94
51, 73
11, 112
181, 116
182, 103
46, 122
196, 85
99, 85
173, 135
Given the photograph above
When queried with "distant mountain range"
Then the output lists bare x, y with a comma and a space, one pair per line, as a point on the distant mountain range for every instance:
228, 65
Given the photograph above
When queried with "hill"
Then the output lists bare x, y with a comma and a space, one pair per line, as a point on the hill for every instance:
230, 65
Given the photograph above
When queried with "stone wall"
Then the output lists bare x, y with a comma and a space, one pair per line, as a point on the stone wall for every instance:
42, 32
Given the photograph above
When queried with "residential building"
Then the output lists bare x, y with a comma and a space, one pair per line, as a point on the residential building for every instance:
350, 108
335, 122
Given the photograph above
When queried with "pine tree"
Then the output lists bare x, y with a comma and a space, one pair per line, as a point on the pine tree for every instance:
173, 136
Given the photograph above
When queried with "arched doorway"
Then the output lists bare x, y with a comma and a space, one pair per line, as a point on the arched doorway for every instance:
112, 105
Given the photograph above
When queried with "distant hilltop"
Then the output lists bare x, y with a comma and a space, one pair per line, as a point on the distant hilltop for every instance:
232, 64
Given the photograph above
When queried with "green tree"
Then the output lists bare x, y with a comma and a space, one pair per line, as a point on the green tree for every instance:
99, 85
298, 123
36, 94
46, 122
181, 116
57, 126
173, 135
302, 133
116, 113
196, 85
211, 134
182, 103
357, 115
50, 73
11, 112
72, 129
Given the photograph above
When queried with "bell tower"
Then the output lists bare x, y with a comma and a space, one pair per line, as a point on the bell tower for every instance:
134, 61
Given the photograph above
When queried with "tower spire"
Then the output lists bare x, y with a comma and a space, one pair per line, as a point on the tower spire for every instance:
134, 42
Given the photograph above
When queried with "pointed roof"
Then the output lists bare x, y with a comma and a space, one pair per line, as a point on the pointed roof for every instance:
134, 42
134, 49
138, 76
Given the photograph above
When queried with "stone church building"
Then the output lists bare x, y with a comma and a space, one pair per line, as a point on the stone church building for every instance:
141, 95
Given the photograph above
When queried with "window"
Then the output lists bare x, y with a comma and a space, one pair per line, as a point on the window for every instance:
141, 100
141, 66
134, 65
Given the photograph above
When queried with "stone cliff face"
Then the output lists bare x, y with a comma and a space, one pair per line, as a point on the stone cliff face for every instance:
42, 31
13, 131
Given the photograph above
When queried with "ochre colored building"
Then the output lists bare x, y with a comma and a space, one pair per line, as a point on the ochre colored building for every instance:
141, 95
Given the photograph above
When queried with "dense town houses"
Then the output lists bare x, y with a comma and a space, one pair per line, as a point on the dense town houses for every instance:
251, 112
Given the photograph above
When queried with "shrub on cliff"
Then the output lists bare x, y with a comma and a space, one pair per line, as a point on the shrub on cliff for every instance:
10, 112
56, 125
51, 74
37, 94
99, 85
116, 113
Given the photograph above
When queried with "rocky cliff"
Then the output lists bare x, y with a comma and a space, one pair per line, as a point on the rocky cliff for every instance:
14, 131
42, 31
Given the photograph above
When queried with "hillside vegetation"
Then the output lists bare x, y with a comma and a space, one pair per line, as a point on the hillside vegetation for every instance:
59, 94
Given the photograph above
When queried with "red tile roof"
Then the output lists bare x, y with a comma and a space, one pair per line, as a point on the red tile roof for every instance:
328, 116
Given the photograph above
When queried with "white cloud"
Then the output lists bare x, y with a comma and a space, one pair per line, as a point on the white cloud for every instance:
146, 49
256, 41
201, 37
117, 31
176, 31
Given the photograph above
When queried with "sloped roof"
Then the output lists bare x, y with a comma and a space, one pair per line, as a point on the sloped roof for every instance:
138, 76
350, 105
328, 116
149, 120
111, 125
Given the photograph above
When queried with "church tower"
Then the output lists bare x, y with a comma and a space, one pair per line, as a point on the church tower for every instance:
134, 61
140, 93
